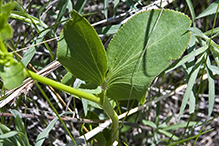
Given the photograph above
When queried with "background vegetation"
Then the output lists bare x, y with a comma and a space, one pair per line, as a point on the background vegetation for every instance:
37, 26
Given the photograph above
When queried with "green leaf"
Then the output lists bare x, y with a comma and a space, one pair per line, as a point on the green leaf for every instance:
68, 79
81, 52
215, 53
8, 134
61, 6
168, 134
191, 83
106, 2
80, 5
31, 51
6, 8
116, 4
130, 4
42, 136
211, 87
12, 75
191, 9
6, 32
109, 29
149, 123
5, 28
181, 125
210, 10
136, 56
18, 121
5, 129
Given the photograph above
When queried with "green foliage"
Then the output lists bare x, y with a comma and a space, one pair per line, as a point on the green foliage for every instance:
212, 9
11, 71
81, 52
12, 75
142, 49
18, 137
42, 136
131, 55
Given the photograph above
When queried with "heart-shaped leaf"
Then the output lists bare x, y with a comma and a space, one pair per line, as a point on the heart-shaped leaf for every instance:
81, 51
143, 48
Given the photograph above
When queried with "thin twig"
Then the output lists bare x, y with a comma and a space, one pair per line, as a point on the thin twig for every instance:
66, 119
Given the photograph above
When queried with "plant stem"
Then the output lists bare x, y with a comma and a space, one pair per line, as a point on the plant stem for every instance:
113, 116
53, 108
102, 100
63, 87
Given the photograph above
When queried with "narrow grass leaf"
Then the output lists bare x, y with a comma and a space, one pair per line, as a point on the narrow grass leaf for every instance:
187, 139
108, 30
62, 5
5, 129
191, 9
42, 136
186, 58
68, 79
28, 16
167, 119
70, 5
18, 121
214, 69
190, 85
197, 31
209, 32
31, 51
149, 123
215, 53
116, 4
130, 4
211, 88
191, 102
28, 20
130, 73
105, 8
181, 125
81, 51
210, 10
80, 5
8, 134
168, 134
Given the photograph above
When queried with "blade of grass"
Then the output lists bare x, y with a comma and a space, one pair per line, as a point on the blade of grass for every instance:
168, 134
105, 8
80, 5
62, 5
192, 12
199, 134
186, 58
42, 136
211, 87
116, 4
191, 84
187, 139
31, 51
55, 111
209, 11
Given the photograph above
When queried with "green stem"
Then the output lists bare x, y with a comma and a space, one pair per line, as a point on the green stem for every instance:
113, 116
63, 87
57, 114
102, 101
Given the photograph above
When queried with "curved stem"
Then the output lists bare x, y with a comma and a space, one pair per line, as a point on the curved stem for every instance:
107, 107
63, 87
102, 100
